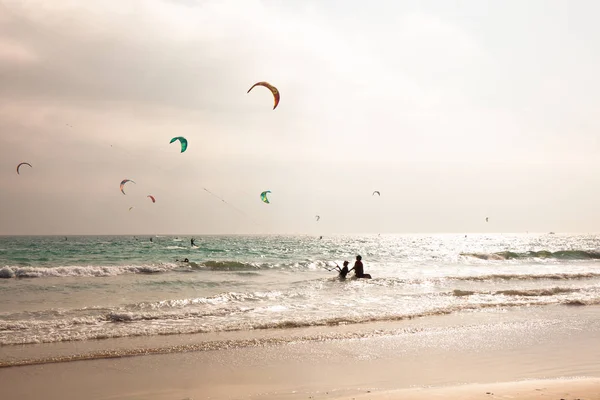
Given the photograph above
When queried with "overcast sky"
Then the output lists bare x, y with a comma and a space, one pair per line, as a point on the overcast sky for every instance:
454, 110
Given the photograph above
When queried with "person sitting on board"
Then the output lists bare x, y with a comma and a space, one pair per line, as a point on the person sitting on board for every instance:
359, 269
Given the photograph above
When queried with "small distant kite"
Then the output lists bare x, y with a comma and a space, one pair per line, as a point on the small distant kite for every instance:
183, 142
318, 217
263, 196
23, 163
377, 191
152, 198
272, 88
131, 208
487, 219
123, 182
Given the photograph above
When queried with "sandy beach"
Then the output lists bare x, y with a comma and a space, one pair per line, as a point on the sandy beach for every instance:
522, 390
527, 354
299, 200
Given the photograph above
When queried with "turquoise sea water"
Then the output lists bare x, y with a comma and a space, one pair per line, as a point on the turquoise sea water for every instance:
79, 288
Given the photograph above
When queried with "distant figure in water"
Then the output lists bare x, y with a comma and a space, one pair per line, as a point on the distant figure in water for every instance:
343, 271
66, 239
193, 242
321, 237
185, 260
150, 239
359, 269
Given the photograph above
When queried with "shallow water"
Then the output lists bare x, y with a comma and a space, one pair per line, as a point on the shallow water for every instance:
87, 287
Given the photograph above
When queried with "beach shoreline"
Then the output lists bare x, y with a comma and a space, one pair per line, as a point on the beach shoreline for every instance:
420, 358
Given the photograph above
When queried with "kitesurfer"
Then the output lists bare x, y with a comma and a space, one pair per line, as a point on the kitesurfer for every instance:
343, 271
359, 269
193, 243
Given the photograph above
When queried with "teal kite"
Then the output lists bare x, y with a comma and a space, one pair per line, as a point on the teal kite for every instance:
263, 196
182, 140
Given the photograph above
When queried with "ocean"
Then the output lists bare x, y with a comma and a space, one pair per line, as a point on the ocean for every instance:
86, 288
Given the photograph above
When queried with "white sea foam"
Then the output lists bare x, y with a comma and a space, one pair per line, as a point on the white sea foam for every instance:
83, 271
272, 282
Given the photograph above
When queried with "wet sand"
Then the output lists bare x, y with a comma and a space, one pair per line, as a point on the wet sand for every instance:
567, 389
464, 356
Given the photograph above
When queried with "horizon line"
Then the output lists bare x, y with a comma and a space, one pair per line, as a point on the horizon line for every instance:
302, 234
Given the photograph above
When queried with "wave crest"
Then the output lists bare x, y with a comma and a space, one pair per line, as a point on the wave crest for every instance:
558, 255
518, 292
87, 271
231, 266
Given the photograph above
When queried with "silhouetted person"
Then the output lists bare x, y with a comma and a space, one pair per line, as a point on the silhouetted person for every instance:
359, 269
343, 271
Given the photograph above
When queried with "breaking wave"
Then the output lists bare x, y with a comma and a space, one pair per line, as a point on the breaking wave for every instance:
129, 324
486, 278
88, 271
516, 292
232, 266
241, 311
558, 255
8, 272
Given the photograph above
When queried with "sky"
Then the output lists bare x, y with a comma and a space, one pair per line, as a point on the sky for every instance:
453, 110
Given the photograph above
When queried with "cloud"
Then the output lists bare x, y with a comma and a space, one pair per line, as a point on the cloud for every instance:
392, 97
15, 53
